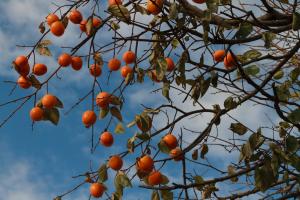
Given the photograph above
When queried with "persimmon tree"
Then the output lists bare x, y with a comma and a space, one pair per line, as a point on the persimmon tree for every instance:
247, 52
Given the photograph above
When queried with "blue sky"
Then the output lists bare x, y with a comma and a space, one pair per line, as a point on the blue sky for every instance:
39, 164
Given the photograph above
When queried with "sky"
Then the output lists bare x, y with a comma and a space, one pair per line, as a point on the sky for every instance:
39, 164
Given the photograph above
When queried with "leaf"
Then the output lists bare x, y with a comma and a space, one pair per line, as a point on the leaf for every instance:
166, 195
174, 43
264, 176
246, 152
102, 173
294, 74
231, 171
252, 70
143, 136
59, 103
161, 69
173, 12
103, 113
155, 195
292, 144
294, 116
140, 9
99, 60
116, 113
198, 180
229, 103
252, 54
120, 11
119, 128
268, 37
124, 180
165, 90
43, 51
204, 85
52, 115
131, 124
34, 81
115, 26
42, 27
89, 26
214, 78
278, 75
244, 30
238, 128
204, 150
165, 180
130, 144
163, 147
296, 21
195, 154
65, 21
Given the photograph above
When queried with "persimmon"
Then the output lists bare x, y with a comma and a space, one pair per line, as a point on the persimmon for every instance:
199, 1
57, 28
145, 164
125, 70
36, 114
170, 64
114, 2
103, 99
154, 6
95, 70
49, 101
51, 18
75, 16
89, 118
106, 139
39, 69
96, 22
229, 61
129, 57
76, 63
155, 178
170, 140
219, 55
82, 25
176, 154
97, 190
115, 162
24, 82
22, 65
114, 64
64, 60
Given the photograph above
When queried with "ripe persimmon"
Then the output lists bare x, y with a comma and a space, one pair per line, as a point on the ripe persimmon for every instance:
106, 139
51, 18
36, 114
115, 162
129, 57
154, 6
170, 64
96, 22
219, 55
22, 65
170, 140
64, 59
145, 164
49, 101
82, 25
229, 61
176, 154
114, 64
125, 70
39, 69
199, 1
57, 28
89, 118
114, 2
155, 178
95, 70
24, 82
75, 16
97, 190
103, 99
76, 63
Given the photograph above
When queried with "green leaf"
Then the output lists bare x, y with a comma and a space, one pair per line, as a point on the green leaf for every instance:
161, 68
204, 85
252, 54
275, 163
163, 147
89, 26
166, 89
198, 180
143, 136
173, 12
119, 128
120, 11
296, 21
116, 113
231, 171
238, 128
294, 116
264, 176
165, 180
244, 30
292, 144
166, 195
294, 74
103, 113
52, 115
268, 37
229, 103
102, 173
278, 75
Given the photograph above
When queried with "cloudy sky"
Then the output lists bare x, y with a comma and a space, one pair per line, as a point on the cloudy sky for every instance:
38, 164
